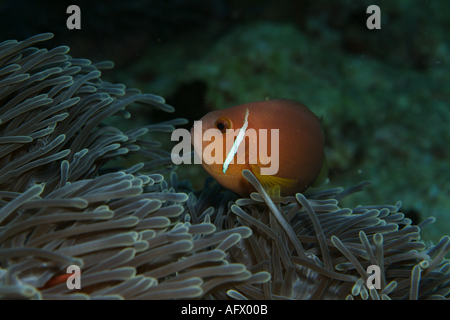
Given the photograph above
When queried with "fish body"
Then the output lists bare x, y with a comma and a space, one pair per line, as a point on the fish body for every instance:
57, 280
300, 145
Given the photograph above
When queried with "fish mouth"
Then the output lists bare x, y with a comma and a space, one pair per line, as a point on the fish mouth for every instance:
197, 134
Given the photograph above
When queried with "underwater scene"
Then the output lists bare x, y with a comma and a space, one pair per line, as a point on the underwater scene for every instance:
224, 150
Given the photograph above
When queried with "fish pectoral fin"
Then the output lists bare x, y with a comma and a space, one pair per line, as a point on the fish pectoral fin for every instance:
273, 185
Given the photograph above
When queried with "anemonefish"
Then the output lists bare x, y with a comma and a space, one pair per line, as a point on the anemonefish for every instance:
56, 280
300, 146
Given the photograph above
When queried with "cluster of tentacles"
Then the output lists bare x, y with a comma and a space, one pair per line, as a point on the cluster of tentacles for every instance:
134, 235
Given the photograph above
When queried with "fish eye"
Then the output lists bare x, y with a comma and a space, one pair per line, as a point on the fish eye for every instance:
223, 124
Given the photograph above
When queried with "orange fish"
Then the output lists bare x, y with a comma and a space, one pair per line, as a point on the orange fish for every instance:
56, 280
299, 146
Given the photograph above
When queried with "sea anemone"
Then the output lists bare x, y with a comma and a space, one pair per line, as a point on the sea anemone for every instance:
121, 228
135, 235
313, 249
